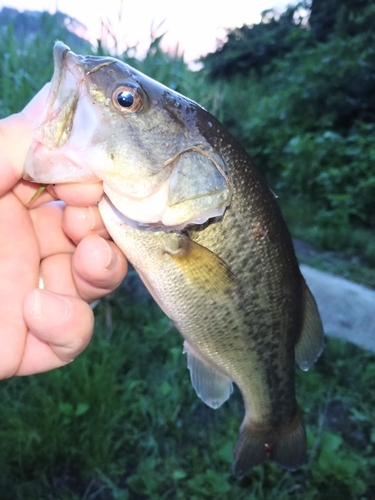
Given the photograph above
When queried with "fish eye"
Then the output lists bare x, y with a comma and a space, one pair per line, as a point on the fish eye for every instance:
127, 98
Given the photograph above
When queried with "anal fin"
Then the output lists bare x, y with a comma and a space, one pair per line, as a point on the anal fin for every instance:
213, 387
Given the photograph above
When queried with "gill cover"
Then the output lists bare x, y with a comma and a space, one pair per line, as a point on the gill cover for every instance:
106, 121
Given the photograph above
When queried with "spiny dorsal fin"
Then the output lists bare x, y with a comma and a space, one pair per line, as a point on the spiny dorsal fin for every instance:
211, 386
310, 343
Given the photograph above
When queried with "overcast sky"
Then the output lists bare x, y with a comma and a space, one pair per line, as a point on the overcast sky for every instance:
194, 27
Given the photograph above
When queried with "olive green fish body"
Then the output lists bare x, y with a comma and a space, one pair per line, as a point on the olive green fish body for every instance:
238, 307
199, 223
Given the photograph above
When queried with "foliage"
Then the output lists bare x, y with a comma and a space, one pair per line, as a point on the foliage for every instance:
26, 63
344, 18
122, 422
254, 47
26, 67
29, 25
308, 117
333, 172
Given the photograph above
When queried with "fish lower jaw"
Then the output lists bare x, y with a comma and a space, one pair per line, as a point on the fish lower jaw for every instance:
106, 205
154, 212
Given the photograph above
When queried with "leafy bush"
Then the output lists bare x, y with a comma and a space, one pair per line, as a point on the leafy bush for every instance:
305, 111
309, 126
335, 173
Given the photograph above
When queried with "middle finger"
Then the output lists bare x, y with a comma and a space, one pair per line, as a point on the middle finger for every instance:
47, 221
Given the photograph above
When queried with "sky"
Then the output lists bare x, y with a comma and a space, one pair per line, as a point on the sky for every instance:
194, 28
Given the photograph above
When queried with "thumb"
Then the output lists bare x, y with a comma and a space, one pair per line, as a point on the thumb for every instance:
61, 326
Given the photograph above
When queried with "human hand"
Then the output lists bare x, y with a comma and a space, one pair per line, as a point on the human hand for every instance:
66, 242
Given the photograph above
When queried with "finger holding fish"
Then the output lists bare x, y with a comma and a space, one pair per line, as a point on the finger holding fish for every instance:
40, 330
77, 194
78, 222
60, 327
59, 323
47, 223
95, 266
94, 252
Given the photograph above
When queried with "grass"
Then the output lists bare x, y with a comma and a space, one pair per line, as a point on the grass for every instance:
122, 422
347, 253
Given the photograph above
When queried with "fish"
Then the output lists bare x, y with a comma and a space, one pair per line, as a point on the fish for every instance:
197, 220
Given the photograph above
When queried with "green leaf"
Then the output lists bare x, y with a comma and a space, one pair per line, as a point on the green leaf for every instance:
81, 409
178, 474
330, 442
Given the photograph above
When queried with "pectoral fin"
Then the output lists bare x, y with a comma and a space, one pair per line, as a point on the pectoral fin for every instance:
310, 343
202, 267
211, 386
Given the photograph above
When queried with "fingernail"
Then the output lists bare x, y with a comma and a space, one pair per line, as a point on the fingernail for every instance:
48, 305
96, 222
112, 260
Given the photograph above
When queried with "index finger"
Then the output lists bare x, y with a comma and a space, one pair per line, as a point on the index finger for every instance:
15, 139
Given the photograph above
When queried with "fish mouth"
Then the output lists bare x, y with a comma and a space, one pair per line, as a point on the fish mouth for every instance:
71, 69
65, 63
55, 154
68, 87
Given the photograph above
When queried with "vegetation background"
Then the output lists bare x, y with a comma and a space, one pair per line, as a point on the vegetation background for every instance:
122, 421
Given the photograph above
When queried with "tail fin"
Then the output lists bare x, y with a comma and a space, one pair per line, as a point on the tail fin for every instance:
285, 445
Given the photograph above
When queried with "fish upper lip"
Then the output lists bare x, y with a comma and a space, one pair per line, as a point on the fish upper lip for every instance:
67, 86
64, 61
89, 64
61, 52
79, 66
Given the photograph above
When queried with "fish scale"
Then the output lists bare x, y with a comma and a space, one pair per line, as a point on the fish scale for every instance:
198, 222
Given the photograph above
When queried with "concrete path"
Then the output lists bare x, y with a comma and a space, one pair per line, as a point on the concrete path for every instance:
347, 309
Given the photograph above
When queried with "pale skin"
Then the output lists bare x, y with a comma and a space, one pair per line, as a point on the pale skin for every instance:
65, 242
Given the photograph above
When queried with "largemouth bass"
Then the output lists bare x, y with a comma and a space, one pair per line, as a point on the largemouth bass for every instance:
202, 228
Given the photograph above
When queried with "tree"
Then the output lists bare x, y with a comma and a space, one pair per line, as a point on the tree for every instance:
344, 18
254, 47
